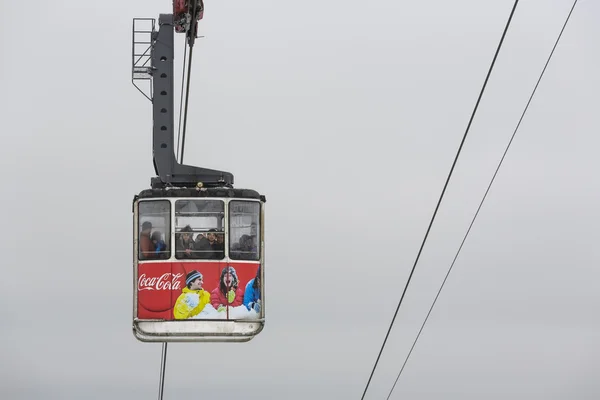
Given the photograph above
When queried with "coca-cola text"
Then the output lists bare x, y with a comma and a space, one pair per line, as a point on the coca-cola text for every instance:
166, 281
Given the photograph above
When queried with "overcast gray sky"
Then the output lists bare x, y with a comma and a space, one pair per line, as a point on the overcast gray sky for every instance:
347, 116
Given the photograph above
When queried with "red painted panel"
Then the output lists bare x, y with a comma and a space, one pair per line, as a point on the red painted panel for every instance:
160, 284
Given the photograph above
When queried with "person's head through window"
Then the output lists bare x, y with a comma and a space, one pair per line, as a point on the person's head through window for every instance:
146, 228
186, 234
156, 237
244, 242
211, 236
159, 243
199, 237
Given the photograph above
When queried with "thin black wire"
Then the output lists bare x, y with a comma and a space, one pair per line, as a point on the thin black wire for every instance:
187, 98
483, 199
191, 39
181, 100
442, 195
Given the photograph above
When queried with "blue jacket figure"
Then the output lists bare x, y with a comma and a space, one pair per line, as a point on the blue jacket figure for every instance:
159, 244
252, 293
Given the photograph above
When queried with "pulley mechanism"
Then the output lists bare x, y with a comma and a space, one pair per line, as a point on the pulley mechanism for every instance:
186, 14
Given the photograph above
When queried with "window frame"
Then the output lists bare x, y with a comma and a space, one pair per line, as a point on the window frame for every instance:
168, 225
259, 229
222, 214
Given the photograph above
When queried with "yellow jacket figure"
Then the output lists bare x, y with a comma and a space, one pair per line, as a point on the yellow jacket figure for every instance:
193, 298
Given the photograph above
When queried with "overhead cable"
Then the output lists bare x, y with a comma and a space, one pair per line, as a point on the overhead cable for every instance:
482, 200
442, 195
181, 101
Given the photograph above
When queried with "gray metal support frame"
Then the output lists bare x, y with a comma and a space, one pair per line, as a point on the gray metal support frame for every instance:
169, 171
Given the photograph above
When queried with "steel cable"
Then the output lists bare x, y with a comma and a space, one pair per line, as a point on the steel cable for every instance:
482, 200
442, 195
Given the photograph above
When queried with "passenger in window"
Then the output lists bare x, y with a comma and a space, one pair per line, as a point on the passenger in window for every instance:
212, 238
202, 247
234, 251
199, 237
252, 293
252, 247
159, 245
220, 241
219, 246
200, 240
193, 298
214, 244
228, 293
147, 249
238, 249
244, 242
184, 244
246, 249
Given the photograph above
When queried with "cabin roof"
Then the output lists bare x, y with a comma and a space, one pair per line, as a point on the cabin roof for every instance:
202, 193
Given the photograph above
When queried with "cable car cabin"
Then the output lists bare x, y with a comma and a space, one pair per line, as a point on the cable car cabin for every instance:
198, 264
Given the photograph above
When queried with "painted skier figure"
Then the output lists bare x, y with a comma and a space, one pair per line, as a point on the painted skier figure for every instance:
193, 298
228, 293
252, 293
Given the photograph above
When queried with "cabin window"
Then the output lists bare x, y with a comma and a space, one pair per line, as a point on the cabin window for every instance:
244, 230
199, 229
154, 218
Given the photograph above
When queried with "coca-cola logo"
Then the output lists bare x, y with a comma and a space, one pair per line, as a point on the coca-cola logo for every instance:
166, 281
158, 286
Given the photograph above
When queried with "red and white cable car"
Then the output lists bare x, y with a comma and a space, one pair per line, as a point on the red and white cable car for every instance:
197, 264
198, 242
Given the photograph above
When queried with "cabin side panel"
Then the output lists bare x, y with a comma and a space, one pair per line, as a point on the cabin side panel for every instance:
214, 290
